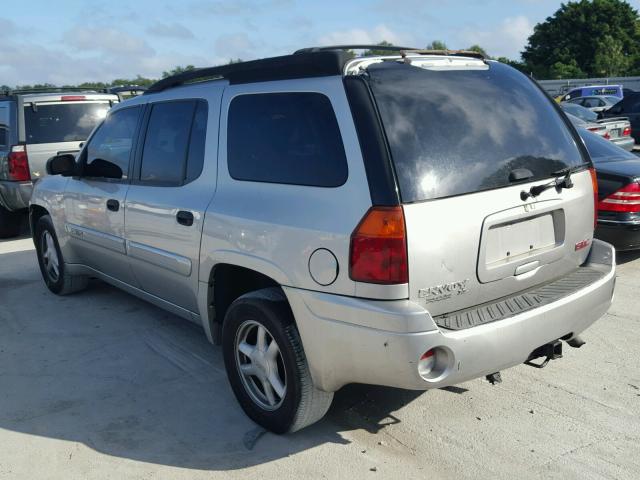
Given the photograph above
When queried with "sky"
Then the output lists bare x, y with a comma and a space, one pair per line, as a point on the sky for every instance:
72, 41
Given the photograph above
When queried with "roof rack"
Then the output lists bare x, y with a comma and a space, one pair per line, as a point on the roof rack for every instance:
301, 65
389, 48
125, 88
48, 90
448, 53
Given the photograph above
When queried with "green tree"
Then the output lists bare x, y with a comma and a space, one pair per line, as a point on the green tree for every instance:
177, 70
436, 45
478, 49
576, 31
559, 71
373, 51
610, 60
518, 65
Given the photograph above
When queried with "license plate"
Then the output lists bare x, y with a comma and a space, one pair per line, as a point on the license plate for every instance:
615, 132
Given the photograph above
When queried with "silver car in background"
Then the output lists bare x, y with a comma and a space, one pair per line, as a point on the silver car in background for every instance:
617, 129
390, 220
36, 125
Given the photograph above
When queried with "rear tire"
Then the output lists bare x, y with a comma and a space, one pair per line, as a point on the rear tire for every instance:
276, 390
52, 266
10, 223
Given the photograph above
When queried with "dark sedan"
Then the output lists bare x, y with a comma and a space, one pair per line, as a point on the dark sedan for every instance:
618, 173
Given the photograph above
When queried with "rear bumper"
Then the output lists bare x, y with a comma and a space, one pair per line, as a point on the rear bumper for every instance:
626, 143
622, 235
15, 196
349, 340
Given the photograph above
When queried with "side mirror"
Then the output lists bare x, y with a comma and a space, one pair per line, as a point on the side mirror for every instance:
64, 165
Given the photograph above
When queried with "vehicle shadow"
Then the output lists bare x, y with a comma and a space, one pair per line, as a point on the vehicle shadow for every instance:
130, 380
627, 256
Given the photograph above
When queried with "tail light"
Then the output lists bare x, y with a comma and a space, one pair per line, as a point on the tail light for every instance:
626, 132
379, 248
18, 164
627, 199
72, 98
594, 184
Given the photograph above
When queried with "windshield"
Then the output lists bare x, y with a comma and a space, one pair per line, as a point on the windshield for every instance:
580, 112
601, 150
453, 132
62, 122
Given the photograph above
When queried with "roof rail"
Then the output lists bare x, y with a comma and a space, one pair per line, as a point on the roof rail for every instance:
390, 48
302, 65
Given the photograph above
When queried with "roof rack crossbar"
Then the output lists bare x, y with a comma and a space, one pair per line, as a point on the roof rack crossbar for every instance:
388, 48
449, 53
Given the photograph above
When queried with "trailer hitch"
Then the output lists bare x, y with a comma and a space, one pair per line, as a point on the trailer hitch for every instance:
550, 351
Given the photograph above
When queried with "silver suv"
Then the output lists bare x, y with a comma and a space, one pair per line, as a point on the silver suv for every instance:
34, 126
413, 220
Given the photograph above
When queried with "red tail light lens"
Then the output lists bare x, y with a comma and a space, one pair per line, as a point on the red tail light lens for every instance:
72, 98
18, 164
379, 248
626, 132
627, 199
594, 184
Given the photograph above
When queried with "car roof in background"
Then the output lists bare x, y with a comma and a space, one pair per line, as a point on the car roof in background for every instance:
602, 150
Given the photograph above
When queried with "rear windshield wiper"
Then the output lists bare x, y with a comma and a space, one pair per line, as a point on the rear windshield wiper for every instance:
562, 180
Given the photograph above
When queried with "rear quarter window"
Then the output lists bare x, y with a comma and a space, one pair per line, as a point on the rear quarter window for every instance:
289, 138
453, 132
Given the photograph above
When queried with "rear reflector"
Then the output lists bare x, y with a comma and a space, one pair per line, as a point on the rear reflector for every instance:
72, 98
627, 199
378, 251
594, 184
18, 164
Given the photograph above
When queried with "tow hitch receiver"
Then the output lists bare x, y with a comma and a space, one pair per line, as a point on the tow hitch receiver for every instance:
550, 351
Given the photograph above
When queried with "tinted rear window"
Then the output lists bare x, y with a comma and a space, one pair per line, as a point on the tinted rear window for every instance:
62, 122
290, 138
453, 132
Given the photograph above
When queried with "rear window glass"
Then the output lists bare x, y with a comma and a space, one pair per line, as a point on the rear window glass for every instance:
62, 122
453, 132
290, 138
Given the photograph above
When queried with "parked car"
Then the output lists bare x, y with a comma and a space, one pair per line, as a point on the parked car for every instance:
595, 104
594, 91
628, 107
618, 174
617, 129
332, 220
34, 126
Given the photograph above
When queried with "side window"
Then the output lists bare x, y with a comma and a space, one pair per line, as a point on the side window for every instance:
195, 160
4, 136
290, 138
166, 142
109, 149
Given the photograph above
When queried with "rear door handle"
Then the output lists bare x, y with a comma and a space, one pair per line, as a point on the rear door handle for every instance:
113, 205
185, 218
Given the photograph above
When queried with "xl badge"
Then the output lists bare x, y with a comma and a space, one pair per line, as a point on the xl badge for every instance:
443, 292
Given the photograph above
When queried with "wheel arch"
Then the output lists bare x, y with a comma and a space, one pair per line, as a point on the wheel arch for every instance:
226, 283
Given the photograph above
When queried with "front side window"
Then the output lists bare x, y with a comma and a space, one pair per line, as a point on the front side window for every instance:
62, 122
289, 138
109, 150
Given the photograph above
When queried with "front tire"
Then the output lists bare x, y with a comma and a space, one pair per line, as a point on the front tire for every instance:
52, 266
266, 365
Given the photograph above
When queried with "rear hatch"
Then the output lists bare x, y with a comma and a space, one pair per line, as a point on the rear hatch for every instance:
466, 139
59, 123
